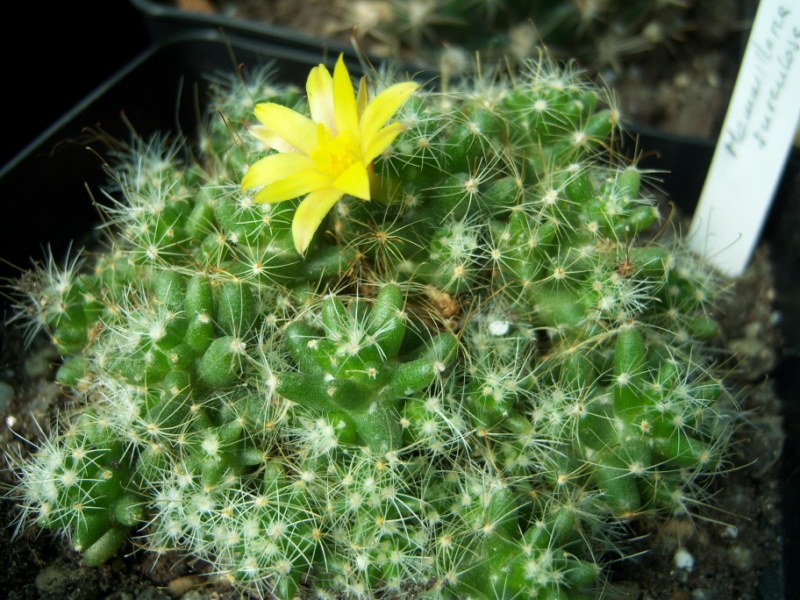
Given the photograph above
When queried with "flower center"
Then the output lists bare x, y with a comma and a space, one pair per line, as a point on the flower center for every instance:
334, 155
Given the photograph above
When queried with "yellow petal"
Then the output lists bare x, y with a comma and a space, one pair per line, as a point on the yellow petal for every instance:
319, 88
293, 186
344, 100
382, 108
363, 97
269, 139
309, 215
381, 140
291, 126
354, 181
275, 167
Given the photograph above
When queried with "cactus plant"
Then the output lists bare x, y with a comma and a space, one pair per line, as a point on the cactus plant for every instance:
453, 378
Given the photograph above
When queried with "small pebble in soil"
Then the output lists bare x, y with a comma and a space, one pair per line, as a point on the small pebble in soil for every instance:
181, 587
40, 363
43, 396
682, 80
62, 581
683, 560
730, 532
741, 557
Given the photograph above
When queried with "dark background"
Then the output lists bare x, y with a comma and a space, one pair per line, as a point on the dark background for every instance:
81, 45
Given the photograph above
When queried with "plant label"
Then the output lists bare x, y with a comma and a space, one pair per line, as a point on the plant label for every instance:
755, 140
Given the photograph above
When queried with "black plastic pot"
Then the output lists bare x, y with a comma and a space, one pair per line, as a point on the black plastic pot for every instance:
46, 195
165, 20
64, 39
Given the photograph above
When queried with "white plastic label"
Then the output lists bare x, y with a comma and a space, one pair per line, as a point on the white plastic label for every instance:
756, 137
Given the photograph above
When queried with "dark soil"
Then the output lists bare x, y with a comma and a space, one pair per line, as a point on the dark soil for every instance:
684, 86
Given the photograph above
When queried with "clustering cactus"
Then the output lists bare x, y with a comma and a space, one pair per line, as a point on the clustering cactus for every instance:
459, 391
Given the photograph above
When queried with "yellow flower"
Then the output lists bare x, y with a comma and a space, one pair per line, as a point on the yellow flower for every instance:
329, 155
